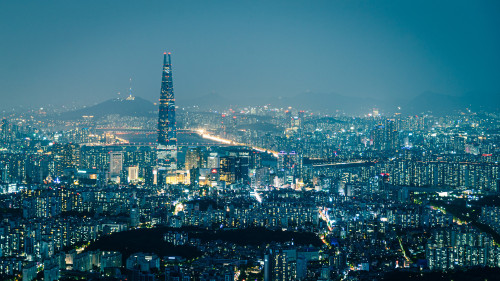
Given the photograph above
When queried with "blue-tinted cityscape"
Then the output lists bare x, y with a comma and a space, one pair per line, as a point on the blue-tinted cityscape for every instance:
247, 193
306, 140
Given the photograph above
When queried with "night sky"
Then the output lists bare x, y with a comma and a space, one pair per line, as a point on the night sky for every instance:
85, 52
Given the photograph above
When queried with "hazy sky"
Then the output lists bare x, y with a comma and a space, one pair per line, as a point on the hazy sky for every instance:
86, 51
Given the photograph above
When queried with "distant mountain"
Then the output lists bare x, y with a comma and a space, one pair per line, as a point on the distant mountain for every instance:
483, 101
135, 106
434, 103
427, 102
325, 102
332, 102
439, 104
216, 101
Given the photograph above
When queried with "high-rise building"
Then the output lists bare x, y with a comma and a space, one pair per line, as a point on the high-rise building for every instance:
167, 137
115, 164
133, 174
213, 160
227, 169
193, 158
5, 130
66, 156
385, 136
280, 264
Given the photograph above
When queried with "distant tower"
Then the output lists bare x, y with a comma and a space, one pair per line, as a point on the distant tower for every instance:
167, 136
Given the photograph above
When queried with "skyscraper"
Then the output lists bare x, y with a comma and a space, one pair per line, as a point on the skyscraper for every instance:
167, 137
115, 164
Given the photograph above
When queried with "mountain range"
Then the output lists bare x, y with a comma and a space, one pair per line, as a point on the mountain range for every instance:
439, 104
135, 106
425, 103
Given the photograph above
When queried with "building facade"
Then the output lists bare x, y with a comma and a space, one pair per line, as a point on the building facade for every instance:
167, 137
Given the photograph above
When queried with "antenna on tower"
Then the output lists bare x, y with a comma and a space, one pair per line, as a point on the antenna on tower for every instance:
130, 86
130, 97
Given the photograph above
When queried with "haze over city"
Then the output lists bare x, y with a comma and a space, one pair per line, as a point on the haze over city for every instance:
238, 140
85, 52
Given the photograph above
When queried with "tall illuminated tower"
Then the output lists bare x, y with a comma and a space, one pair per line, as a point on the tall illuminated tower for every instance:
167, 136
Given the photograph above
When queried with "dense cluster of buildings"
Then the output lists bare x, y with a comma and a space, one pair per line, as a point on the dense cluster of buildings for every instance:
377, 191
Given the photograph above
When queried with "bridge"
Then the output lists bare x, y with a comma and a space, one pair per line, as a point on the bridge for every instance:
208, 139
344, 164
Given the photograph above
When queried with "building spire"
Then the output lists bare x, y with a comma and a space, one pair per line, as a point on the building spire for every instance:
130, 87
167, 135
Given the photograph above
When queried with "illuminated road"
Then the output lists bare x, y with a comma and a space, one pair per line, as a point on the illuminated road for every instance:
257, 196
205, 135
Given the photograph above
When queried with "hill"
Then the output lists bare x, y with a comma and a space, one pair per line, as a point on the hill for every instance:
135, 106
440, 105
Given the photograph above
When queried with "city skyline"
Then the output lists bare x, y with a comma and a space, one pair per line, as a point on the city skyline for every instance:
323, 140
257, 193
